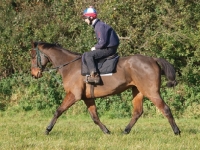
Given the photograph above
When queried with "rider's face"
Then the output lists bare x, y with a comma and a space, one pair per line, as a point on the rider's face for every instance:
87, 21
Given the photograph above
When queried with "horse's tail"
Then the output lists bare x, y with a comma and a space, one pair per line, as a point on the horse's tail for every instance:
167, 70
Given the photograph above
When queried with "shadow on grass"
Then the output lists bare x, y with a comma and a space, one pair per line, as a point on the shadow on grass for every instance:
2, 107
193, 131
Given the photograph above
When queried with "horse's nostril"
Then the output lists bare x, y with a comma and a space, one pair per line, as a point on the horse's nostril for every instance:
33, 76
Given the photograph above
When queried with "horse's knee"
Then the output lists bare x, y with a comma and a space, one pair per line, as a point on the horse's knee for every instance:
95, 120
167, 111
58, 113
137, 114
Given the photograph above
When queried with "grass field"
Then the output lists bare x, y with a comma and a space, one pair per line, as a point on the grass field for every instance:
25, 131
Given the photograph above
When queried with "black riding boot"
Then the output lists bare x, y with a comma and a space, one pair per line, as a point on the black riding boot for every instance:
94, 78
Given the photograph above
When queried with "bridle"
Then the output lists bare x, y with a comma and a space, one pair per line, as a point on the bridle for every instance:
42, 68
39, 59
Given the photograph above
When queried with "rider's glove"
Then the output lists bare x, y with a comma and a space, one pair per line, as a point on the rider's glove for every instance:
93, 48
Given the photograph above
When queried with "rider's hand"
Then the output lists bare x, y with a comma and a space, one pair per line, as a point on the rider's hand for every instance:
93, 48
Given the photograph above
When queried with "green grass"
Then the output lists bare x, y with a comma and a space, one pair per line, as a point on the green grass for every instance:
26, 131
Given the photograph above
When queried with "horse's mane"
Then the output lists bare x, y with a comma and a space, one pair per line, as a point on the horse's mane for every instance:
54, 45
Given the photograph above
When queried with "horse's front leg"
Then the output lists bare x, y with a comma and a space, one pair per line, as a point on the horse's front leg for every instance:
137, 111
90, 103
68, 101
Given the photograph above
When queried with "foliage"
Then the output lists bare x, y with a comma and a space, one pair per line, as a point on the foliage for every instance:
168, 29
44, 93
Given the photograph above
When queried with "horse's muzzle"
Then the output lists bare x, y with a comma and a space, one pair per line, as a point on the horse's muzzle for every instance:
36, 72
39, 74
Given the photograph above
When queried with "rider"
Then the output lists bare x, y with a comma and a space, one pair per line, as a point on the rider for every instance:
107, 42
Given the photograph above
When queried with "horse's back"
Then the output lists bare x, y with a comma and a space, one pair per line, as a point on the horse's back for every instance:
136, 70
138, 64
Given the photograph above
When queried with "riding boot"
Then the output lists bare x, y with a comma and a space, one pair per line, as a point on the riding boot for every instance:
94, 78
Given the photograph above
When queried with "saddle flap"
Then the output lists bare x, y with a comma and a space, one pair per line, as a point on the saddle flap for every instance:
113, 56
104, 66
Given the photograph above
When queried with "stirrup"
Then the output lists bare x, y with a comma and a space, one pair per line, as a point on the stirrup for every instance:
89, 79
95, 80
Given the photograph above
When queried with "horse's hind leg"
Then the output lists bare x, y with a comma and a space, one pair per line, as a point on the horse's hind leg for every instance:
138, 109
67, 102
162, 106
90, 103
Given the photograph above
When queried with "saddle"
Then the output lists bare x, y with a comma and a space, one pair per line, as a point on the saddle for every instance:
104, 65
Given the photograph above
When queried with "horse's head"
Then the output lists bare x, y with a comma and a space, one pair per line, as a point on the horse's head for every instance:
38, 61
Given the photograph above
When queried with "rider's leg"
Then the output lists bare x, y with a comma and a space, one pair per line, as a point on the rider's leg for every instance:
90, 58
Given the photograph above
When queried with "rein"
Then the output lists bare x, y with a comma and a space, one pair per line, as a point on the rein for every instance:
39, 63
58, 67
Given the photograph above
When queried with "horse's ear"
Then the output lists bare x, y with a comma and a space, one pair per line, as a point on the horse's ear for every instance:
34, 44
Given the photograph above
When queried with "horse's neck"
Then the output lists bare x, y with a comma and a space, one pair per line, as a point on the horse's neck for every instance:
60, 57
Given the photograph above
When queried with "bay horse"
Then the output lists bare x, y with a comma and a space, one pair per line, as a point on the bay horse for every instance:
140, 73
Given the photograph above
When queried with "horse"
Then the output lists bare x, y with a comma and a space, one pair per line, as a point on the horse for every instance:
140, 73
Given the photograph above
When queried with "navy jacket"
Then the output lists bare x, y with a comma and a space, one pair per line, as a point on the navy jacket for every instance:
106, 36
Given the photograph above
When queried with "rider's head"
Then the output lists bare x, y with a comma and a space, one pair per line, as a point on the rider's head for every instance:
89, 14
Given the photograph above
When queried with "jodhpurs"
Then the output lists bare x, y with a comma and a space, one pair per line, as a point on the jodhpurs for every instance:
91, 56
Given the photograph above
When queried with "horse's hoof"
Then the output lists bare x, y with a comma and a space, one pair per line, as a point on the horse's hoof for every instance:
178, 133
46, 132
107, 132
126, 131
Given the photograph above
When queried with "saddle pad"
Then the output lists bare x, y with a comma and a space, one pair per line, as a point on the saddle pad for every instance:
104, 67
